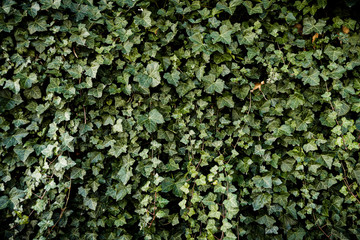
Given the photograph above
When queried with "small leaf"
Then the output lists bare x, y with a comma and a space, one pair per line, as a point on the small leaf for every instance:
332, 52
225, 101
311, 26
261, 200
173, 77
90, 203
311, 77
144, 20
91, 71
38, 25
98, 91
4, 202
23, 153
77, 173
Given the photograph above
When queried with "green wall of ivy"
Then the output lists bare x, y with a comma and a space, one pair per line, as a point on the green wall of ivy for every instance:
179, 119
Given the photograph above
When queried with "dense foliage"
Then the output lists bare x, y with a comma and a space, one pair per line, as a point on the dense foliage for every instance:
132, 119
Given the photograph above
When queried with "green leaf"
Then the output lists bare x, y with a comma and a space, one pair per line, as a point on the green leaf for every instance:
332, 52
173, 77
38, 25
15, 138
261, 200
4, 202
75, 71
124, 174
225, 101
311, 77
98, 91
341, 108
311, 146
295, 100
287, 165
153, 69
151, 120
117, 149
23, 153
118, 126
90, 203
95, 157
224, 36
229, 8
67, 142
328, 159
167, 185
77, 173
209, 200
298, 234
91, 71
266, 220
144, 20
311, 26
156, 117
212, 86
144, 80
33, 93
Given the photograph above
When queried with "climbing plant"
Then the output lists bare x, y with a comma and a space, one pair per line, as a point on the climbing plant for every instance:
143, 119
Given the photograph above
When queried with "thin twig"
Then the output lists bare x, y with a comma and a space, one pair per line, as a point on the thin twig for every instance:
63, 209
154, 214
75, 52
249, 105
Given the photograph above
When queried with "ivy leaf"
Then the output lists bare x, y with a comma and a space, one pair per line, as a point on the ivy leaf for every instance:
266, 220
261, 200
153, 72
92, 71
311, 26
328, 160
75, 71
357, 173
212, 86
209, 200
144, 20
98, 91
124, 174
173, 77
253, 10
15, 138
118, 126
224, 36
144, 80
117, 149
95, 157
33, 93
77, 173
90, 203
197, 42
38, 25
67, 142
341, 108
225, 101
332, 52
311, 146
298, 234
23, 153
4, 202
311, 77
287, 165
295, 100
167, 185
29, 80
229, 8
151, 120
